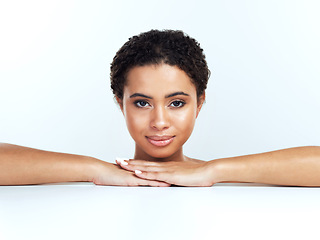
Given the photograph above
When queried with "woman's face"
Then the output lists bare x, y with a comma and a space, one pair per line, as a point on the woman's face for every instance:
160, 108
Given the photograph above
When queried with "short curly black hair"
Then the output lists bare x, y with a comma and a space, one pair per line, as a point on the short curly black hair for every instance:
154, 47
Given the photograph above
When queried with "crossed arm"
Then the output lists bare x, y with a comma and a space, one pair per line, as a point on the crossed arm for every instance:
294, 166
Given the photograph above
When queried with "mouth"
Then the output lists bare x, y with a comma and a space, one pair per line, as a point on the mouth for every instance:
160, 141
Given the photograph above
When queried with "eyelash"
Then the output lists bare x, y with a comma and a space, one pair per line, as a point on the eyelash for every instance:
138, 103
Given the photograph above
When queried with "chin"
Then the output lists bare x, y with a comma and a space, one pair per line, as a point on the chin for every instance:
167, 152
161, 154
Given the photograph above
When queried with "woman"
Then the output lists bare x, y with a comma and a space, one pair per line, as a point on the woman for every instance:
159, 80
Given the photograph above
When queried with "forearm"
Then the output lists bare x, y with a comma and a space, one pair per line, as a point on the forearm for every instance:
294, 166
22, 165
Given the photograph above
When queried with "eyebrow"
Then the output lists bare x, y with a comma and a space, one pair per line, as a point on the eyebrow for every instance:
167, 96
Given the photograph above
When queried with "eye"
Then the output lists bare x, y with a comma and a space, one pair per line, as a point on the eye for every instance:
177, 104
141, 103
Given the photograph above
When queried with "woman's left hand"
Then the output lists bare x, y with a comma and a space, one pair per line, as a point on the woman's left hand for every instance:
182, 173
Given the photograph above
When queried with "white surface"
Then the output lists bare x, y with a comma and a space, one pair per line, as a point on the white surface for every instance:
224, 211
263, 94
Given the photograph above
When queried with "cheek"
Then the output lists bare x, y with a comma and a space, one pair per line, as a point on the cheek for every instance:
184, 121
136, 122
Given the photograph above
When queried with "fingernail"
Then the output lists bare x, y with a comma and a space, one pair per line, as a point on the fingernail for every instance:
124, 163
137, 172
121, 159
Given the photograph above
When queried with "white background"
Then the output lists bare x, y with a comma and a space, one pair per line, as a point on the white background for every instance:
263, 93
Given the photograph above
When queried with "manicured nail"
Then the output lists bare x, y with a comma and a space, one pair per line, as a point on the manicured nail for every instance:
124, 163
137, 172
121, 159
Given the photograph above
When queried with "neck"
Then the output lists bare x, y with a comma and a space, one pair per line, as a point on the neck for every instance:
142, 155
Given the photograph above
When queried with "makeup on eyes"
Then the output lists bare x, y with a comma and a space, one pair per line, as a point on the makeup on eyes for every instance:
142, 103
138, 104
179, 103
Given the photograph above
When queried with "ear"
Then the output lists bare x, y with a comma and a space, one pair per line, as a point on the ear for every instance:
120, 102
201, 100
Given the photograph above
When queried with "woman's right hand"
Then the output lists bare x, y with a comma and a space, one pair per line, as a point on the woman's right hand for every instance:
105, 173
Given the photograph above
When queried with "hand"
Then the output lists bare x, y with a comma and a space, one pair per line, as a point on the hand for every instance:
183, 173
110, 174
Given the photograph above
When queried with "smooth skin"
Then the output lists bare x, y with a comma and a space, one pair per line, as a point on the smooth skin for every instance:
158, 101
149, 111
289, 167
21, 166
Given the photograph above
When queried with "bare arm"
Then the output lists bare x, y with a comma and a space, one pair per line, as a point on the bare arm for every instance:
294, 166
298, 166
22, 165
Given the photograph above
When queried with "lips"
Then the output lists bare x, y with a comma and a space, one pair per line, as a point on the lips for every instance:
160, 141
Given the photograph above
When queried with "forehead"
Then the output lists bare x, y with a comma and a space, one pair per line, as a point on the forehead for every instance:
158, 79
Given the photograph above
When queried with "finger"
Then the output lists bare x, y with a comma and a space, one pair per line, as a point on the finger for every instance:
157, 176
120, 160
143, 182
130, 167
131, 180
152, 183
147, 168
146, 163
123, 163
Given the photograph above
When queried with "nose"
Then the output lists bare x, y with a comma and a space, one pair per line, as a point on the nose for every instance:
160, 119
